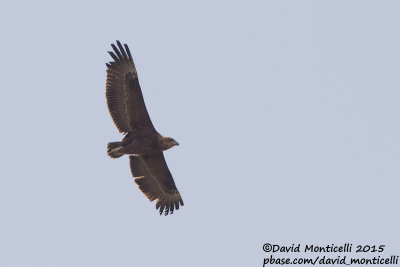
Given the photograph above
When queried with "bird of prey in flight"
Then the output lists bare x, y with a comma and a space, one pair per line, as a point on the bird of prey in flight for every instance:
141, 142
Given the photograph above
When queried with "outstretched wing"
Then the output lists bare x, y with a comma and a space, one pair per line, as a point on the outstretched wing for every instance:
154, 179
124, 96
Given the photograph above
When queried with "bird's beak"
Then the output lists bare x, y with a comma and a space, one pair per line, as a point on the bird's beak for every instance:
176, 143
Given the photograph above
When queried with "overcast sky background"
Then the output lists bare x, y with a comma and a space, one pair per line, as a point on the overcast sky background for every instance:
287, 115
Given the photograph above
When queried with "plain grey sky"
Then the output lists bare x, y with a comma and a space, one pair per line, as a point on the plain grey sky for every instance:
287, 113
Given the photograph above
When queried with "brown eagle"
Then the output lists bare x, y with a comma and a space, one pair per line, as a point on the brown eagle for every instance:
141, 141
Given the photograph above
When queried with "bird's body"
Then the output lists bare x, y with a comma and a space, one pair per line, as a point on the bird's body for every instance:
144, 144
142, 141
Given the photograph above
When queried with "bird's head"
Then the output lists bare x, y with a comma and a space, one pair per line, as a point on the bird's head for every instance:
169, 142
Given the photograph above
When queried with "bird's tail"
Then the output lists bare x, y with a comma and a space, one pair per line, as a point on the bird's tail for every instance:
114, 149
